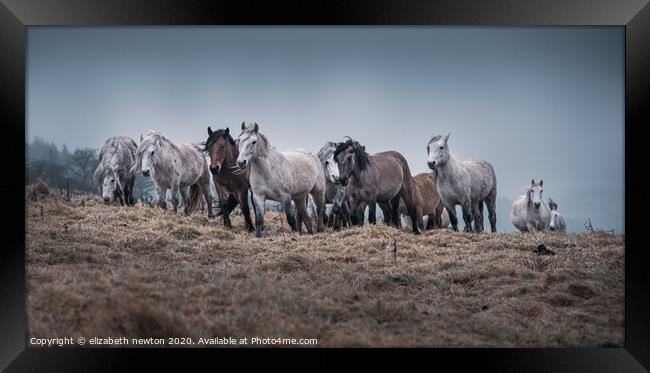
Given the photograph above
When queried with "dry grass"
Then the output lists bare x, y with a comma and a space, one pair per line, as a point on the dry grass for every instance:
97, 270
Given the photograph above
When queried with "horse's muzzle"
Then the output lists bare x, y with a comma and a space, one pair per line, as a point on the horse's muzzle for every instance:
536, 204
214, 169
145, 173
241, 164
343, 181
107, 200
432, 165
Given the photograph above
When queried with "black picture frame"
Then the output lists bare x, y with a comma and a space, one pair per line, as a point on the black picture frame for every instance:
634, 15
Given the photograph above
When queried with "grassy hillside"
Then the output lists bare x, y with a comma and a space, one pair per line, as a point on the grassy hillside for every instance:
98, 270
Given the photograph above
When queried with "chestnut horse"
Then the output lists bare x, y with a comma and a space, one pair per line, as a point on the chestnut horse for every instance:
427, 201
227, 176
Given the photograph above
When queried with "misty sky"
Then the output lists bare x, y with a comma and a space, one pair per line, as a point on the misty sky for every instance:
543, 102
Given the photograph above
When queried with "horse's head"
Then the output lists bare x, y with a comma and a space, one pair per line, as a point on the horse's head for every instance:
437, 151
249, 144
350, 158
326, 156
149, 154
110, 185
217, 146
332, 169
535, 193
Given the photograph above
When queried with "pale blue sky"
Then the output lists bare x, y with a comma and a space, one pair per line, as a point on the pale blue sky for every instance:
536, 102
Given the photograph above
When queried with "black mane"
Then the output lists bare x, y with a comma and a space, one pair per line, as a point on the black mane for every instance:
360, 152
216, 135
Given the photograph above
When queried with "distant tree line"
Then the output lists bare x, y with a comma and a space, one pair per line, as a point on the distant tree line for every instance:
60, 168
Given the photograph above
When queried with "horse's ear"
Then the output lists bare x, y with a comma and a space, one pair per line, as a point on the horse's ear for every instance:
98, 172
532, 182
446, 137
227, 131
256, 128
541, 182
243, 126
209, 131
141, 138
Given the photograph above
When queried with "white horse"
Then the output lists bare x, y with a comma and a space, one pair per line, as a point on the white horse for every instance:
281, 177
557, 224
530, 212
176, 167
467, 183
113, 172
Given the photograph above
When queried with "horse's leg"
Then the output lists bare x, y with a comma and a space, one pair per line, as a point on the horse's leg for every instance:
386, 211
119, 197
259, 214
479, 218
360, 212
451, 210
437, 215
205, 188
131, 187
301, 207
319, 199
395, 218
347, 214
467, 215
222, 204
476, 216
242, 195
407, 196
162, 197
186, 200
490, 201
372, 211
291, 219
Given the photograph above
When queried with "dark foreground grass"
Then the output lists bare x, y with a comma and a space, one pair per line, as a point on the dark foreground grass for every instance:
97, 270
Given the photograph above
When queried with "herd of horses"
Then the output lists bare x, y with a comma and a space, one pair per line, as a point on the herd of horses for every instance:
342, 175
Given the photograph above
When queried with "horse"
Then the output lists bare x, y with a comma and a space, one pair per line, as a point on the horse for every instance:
227, 176
383, 177
176, 167
335, 193
281, 177
557, 224
427, 202
468, 183
529, 211
113, 172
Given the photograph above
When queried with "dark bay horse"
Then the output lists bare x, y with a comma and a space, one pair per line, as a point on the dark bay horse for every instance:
227, 176
383, 177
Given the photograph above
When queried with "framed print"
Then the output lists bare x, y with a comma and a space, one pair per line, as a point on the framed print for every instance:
457, 181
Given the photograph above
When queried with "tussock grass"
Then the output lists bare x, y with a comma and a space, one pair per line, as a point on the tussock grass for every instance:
100, 270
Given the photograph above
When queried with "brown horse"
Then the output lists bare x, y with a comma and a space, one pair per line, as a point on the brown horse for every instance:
227, 175
427, 201
382, 177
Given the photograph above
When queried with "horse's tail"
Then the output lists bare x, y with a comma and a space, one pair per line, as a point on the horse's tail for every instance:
195, 194
408, 194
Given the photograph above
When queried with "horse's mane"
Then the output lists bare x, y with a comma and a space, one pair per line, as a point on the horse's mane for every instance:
359, 151
326, 151
216, 135
152, 136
